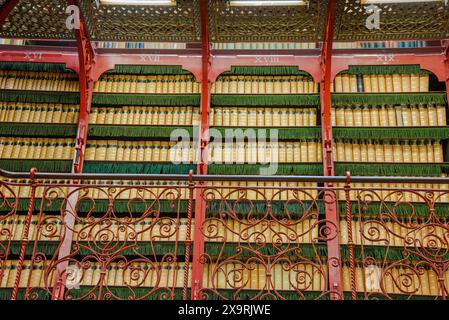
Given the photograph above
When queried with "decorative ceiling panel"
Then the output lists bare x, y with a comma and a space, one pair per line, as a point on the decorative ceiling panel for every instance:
283, 23
45, 19
413, 21
37, 19
180, 23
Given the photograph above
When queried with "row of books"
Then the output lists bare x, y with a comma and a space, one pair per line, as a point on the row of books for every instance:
264, 85
38, 113
417, 151
263, 117
167, 84
149, 116
40, 81
36, 148
390, 116
376, 83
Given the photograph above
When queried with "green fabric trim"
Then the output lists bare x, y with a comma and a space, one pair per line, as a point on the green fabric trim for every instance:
264, 71
159, 248
434, 134
137, 167
40, 97
46, 130
213, 249
373, 210
277, 100
41, 165
387, 98
313, 169
112, 99
250, 294
124, 293
6, 293
297, 133
135, 207
130, 132
374, 169
259, 208
101, 206
377, 69
34, 66
148, 70
380, 253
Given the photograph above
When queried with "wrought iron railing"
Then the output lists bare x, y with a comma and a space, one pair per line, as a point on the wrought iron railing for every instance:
93, 236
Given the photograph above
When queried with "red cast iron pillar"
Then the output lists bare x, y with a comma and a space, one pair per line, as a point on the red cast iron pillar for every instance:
86, 55
333, 245
203, 139
86, 60
6, 9
446, 60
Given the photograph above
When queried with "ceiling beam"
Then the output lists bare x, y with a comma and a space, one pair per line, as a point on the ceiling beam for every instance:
6, 9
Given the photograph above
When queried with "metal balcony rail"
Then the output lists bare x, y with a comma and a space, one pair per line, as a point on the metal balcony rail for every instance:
76, 236
207, 178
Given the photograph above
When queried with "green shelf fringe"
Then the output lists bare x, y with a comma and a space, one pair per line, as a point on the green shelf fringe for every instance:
39, 97
123, 293
101, 206
380, 296
137, 167
225, 250
264, 71
231, 249
133, 132
258, 209
277, 100
434, 134
313, 169
136, 207
38, 130
117, 99
374, 169
213, 249
148, 70
402, 210
34, 66
377, 69
358, 99
49, 248
250, 294
380, 253
5, 294
41, 165
305, 133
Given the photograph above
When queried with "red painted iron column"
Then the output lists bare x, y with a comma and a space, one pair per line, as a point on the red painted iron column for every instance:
333, 244
200, 204
86, 56
445, 44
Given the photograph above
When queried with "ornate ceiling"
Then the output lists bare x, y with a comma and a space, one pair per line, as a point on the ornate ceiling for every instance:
45, 19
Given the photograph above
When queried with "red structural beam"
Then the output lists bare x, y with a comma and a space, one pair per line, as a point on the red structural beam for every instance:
86, 60
203, 139
333, 245
432, 59
6, 9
